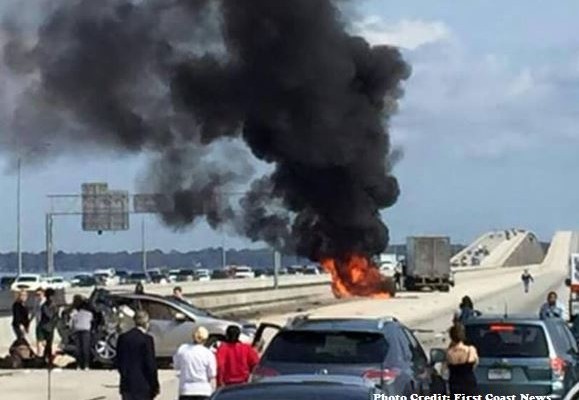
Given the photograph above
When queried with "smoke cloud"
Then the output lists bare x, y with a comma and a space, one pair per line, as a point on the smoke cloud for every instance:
176, 78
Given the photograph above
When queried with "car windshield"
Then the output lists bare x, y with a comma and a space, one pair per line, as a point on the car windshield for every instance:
306, 347
27, 279
508, 340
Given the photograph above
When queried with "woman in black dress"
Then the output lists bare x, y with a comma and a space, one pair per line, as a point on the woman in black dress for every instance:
461, 360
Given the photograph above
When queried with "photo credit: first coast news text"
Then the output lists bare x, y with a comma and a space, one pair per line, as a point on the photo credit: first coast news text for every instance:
522, 396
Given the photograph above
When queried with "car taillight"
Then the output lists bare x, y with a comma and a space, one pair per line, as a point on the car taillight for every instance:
387, 376
558, 367
263, 372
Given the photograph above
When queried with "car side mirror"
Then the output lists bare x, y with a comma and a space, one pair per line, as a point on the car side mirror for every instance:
180, 317
437, 356
567, 282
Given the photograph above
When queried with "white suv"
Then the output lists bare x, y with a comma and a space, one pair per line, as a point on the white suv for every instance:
29, 282
243, 272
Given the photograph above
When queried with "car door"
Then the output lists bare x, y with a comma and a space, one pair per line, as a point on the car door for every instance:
168, 326
265, 332
418, 363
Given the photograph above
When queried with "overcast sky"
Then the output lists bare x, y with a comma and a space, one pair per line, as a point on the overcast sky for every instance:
488, 126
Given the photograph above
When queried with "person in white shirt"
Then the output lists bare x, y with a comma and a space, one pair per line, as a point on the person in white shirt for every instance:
197, 368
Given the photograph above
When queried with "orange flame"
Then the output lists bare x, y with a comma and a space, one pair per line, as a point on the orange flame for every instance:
357, 276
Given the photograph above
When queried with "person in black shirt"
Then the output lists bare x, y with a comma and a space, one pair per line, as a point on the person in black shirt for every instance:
20, 316
48, 322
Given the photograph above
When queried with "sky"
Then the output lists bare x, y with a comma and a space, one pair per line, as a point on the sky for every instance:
488, 128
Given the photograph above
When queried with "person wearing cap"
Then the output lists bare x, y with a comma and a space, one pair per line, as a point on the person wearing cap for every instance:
197, 367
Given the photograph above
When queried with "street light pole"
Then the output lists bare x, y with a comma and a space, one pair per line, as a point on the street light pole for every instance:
144, 247
18, 226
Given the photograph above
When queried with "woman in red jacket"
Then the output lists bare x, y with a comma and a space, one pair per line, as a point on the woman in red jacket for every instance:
235, 360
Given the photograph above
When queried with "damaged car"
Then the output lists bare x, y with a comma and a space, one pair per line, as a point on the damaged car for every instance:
171, 324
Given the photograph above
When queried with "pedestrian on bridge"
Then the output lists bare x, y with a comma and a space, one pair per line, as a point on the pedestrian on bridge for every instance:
48, 323
461, 363
527, 278
465, 311
20, 316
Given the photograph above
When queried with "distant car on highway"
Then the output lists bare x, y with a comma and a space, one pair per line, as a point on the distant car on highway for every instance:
220, 274
202, 275
311, 270
123, 277
171, 323
83, 280
302, 387
158, 276
243, 272
523, 354
106, 277
57, 282
6, 282
28, 282
185, 275
138, 277
381, 350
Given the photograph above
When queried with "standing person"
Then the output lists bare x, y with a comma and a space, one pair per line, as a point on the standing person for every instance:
465, 311
197, 368
20, 316
81, 325
136, 362
37, 314
139, 288
527, 278
178, 294
461, 362
552, 308
48, 322
235, 360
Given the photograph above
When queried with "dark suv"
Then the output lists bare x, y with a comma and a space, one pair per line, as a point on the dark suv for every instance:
523, 354
382, 350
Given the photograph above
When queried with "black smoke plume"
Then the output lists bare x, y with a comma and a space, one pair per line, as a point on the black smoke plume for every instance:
177, 77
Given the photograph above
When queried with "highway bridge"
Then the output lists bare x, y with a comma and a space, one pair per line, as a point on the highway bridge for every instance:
494, 285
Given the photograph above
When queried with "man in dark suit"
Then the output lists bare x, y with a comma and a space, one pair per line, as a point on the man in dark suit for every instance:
136, 362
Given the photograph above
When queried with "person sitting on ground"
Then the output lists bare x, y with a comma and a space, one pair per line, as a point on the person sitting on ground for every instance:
197, 367
552, 308
235, 360
465, 311
461, 362
20, 316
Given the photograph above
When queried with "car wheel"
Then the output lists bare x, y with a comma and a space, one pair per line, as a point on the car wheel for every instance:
104, 348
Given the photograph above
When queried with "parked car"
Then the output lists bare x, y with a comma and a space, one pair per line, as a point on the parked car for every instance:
138, 277
202, 275
157, 276
243, 272
302, 387
123, 277
523, 354
6, 282
382, 350
311, 270
57, 282
106, 277
173, 275
171, 323
219, 274
83, 280
185, 275
28, 282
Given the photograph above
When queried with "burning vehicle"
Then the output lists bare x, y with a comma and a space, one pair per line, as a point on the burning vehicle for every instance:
171, 324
